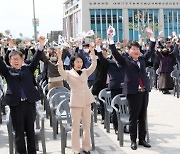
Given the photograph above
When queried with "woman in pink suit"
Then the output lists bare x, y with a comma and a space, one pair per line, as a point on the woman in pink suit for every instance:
81, 98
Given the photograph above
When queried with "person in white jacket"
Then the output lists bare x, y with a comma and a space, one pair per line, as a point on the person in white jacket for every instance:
81, 97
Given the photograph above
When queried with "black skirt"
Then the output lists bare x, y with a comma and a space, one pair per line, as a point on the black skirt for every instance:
165, 81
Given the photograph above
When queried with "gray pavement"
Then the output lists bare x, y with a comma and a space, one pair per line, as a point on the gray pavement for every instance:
164, 129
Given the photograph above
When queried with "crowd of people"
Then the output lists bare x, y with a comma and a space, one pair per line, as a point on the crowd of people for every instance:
86, 68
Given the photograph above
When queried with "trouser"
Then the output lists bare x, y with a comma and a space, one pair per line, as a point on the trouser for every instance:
77, 114
115, 92
23, 116
138, 111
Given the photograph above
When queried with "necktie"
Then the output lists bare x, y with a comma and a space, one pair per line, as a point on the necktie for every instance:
140, 80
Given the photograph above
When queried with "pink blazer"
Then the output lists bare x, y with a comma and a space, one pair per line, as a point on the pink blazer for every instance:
81, 95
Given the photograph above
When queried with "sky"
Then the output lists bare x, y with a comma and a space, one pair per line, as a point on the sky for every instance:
17, 15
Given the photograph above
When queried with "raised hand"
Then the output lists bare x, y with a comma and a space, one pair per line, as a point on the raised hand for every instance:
11, 43
91, 48
42, 40
27, 43
150, 32
59, 53
98, 41
110, 36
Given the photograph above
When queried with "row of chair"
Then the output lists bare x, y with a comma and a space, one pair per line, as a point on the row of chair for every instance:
56, 104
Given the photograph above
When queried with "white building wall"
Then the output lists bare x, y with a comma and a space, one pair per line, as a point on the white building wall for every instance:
85, 5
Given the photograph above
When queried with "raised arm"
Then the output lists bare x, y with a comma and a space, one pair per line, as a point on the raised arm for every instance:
64, 74
115, 53
176, 50
149, 53
103, 60
38, 54
3, 68
93, 65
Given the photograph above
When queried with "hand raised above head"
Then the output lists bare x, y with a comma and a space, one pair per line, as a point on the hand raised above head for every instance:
42, 40
150, 32
59, 53
98, 41
110, 36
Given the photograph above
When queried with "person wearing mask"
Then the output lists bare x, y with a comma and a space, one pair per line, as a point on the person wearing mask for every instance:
165, 68
20, 96
84, 51
116, 78
81, 98
136, 86
54, 78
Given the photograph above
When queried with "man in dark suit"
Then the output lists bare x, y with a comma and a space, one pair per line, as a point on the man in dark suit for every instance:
21, 96
116, 78
136, 87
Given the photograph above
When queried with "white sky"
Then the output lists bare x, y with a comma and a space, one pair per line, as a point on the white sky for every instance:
17, 15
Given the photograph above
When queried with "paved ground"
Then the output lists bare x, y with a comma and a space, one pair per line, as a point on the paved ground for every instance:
164, 129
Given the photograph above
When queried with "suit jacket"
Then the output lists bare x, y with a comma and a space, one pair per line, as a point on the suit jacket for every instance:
132, 71
115, 72
100, 79
81, 95
18, 80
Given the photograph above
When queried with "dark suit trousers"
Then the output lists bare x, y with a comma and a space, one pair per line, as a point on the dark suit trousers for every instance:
137, 109
23, 116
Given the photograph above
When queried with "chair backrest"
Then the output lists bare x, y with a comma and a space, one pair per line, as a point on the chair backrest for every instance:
150, 71
43, 84
105, 96
122, 103
54, 90
64, 109
175, 74
45, 90
1, 94
57, 98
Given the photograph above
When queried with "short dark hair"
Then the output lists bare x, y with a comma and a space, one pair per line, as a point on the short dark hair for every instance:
134, 43
73, 58
15, 52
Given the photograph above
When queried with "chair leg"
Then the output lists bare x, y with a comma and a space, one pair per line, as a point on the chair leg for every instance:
36, 143
10, 136
121, 135
43, 142
63, 139
177, 90
95, 112
108, 123
54, 128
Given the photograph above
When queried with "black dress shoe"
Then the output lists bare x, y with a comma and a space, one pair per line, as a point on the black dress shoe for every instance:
133, 145
145, 144
86, 152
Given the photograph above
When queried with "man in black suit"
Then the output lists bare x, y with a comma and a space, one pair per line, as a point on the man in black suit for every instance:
136, 87
21, 96
116, 78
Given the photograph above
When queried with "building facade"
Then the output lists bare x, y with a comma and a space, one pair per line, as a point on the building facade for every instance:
128, 17
53, 36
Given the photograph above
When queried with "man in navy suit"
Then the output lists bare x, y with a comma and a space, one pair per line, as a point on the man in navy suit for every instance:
136, 87
21, 96
116, 78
